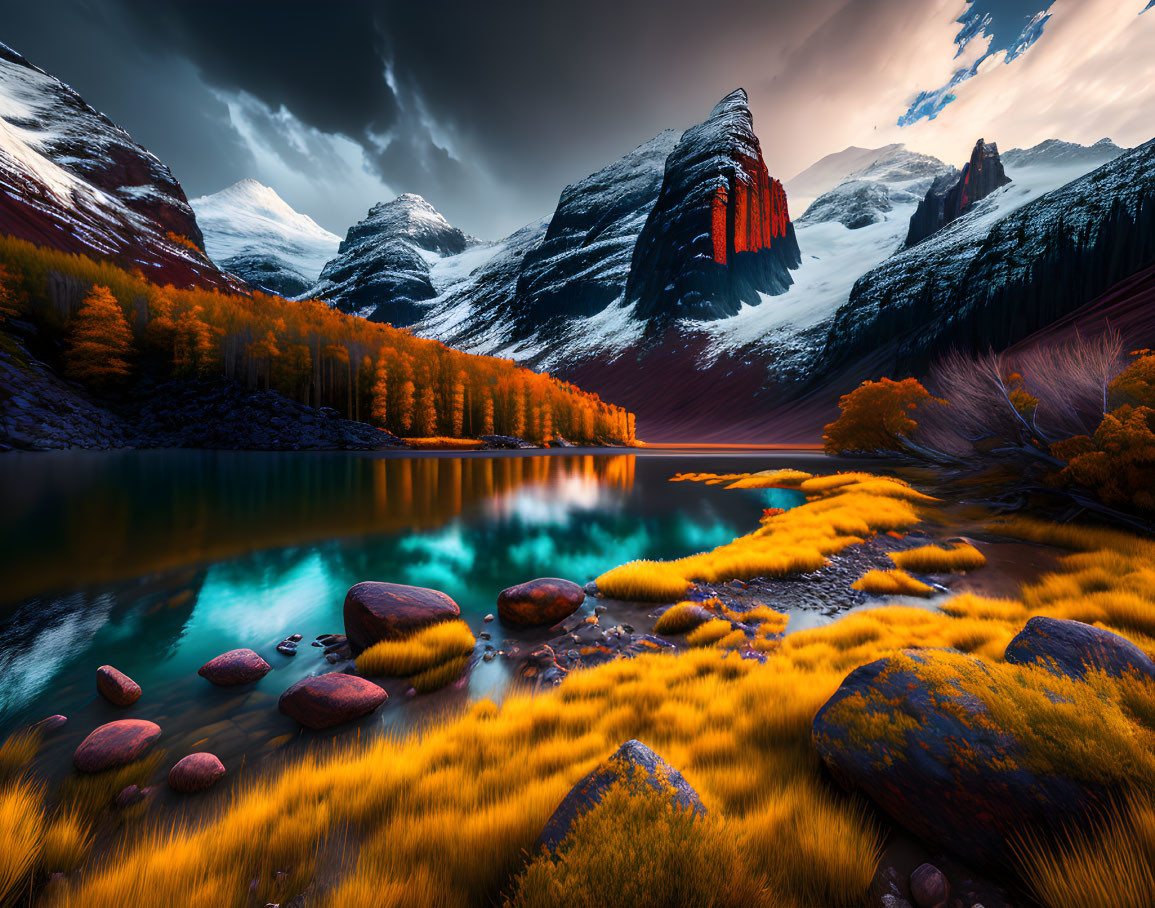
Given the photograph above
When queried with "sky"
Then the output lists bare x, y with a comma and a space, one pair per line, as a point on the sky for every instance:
488, 109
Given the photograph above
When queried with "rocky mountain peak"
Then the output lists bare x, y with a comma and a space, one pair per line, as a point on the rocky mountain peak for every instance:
946, 202
410, 218
720, 233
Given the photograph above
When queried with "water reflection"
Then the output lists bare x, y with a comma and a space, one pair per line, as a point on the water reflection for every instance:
158, 561
71, 520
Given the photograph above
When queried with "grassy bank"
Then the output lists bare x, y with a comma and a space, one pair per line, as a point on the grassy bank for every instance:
449, 816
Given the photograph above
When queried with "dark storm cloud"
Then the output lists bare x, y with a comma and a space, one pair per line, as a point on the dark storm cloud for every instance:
486, 107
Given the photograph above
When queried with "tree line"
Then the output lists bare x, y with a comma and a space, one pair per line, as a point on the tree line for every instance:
115, 322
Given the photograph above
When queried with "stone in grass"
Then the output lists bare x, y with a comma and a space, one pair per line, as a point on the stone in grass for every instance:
539, 603
322, 701
51, 723
238, 666
929, 887
634, 765
115, 744
116, 687
912, 733
390, 611
196, 772
131, 795
1070, 648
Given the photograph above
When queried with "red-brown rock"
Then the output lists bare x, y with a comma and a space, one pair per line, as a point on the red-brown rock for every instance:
929, 887
389, 611
540, 602
238, 666
196, 772
326, 700
116, 687
115, 744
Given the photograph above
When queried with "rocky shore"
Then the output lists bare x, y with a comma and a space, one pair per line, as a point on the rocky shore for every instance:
40, 411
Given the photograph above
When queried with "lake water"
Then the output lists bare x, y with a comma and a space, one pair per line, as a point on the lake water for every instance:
156, 561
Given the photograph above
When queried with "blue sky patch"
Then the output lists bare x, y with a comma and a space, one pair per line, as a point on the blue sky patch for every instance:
1012, 25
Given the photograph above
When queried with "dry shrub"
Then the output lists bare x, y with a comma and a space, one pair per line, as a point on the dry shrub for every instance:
21, 831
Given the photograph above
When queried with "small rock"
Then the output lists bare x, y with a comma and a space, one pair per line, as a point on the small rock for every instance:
929, 887
541, 602
322, 701
238, 666
600, 610
287, 648
51, 723
115, 744
132, 795
295, 638
196, 772
116, 687
487, 618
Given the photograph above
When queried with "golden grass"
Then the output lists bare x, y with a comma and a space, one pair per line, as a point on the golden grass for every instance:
795, 541
891, 583
1112, 866
636, 849
770, 479
442, 443
933, 559
448, 816
65, 843
427, 649
21, 831
710, 633
17, 752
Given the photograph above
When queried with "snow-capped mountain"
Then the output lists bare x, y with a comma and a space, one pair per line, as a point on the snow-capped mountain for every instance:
251, 232
72, 179
1024, 256
1057, 153
383, 268
699, 208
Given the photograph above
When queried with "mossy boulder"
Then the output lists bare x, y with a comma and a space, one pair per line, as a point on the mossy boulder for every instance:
1071, 648
376, 611
539, 603
966, 755
633, 765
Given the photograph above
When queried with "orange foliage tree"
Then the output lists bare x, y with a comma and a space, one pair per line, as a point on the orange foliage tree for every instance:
877, 416
99, 341
1117, 464
316, 355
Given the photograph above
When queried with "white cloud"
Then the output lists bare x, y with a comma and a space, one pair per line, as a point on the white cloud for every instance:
322, 174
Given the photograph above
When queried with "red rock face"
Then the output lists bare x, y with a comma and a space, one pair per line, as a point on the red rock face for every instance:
750, 214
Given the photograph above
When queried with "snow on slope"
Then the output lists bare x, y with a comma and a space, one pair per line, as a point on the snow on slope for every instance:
250, 221
72, 179
794, 325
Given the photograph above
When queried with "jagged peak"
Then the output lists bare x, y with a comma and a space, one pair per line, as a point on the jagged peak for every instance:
736, 98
